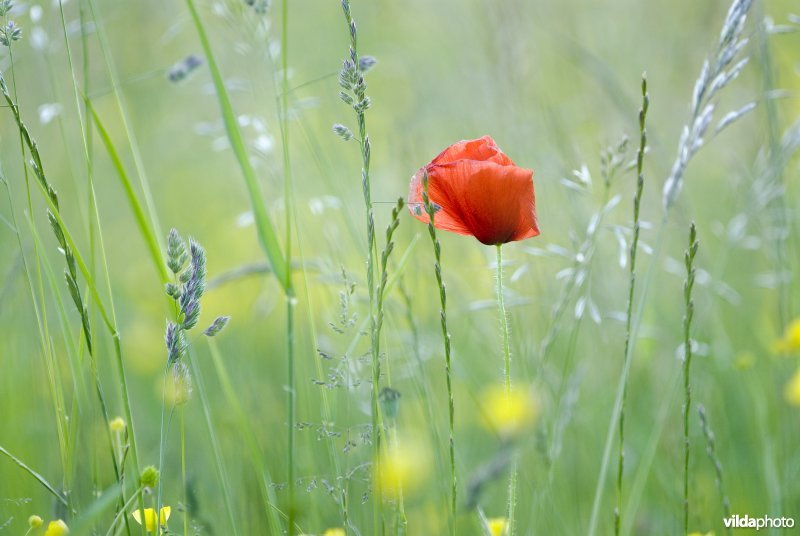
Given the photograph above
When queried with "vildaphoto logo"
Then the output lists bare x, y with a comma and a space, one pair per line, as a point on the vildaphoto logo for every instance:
746, 522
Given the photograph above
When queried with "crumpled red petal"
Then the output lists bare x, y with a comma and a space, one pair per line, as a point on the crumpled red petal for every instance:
478, 191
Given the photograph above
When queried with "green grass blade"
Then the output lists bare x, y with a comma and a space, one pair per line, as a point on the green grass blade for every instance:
266, 231
145, 228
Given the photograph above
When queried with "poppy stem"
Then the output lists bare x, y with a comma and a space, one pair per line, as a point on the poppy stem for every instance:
512, 480
503, 320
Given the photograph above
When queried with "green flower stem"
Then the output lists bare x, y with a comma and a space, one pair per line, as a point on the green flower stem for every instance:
512, 480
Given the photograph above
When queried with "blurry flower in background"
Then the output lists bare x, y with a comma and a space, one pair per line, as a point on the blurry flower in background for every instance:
404, 467
35, 522
709, 533
792, 390
150, 517
149, 477
117, 424
497, 526
56, 528
509, 413
334, 532
478, 191
790, 342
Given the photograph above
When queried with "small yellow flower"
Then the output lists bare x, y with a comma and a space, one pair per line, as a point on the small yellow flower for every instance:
497, 526
792, 390
403, 467
508, 414
35, 522
56, 528
150, 517
790, 342
117, 425
334, 532
709, 533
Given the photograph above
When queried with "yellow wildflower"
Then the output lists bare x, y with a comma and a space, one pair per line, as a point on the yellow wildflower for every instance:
792, 390
56, 528
35, 522
334, 532
497, 526
117, 425
150, 517
790, 342
508, 414
709, 533
403, 467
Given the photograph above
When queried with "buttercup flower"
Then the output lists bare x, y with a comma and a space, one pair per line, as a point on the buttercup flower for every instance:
56, 528
117, 424
35, 522
790, 342
478, 191
150, 517
403, 467
497, 526
509, 413
334, 532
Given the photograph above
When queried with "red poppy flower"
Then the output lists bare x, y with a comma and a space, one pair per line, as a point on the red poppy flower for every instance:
477, 190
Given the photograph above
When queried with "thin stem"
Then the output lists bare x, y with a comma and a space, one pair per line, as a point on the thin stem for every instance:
437, 268
183, 474
637, 199
361, 103
292, 401
512, 479
687, 362
291, 301
503, 321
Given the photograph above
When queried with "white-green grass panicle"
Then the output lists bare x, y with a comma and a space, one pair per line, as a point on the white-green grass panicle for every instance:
688, 285
186, 292
718, 71
183, 69
637, 201
613, 160
430, 209
9, 31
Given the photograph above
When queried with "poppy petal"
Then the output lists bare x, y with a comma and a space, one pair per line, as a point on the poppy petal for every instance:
444, 219
484, 149
492, 202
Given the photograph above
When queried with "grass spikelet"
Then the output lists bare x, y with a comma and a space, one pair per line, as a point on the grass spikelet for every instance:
637, 201
437, 270
689, 256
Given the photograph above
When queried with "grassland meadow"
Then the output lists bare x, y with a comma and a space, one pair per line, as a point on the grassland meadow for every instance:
368, 267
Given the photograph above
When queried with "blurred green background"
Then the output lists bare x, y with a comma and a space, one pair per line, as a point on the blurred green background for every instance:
554, 83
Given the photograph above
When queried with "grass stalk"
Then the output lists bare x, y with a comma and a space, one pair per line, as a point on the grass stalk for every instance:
256, 455
291, 300
437, 269
219, 459
637, 199
687, 363
711, 451
352, 78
